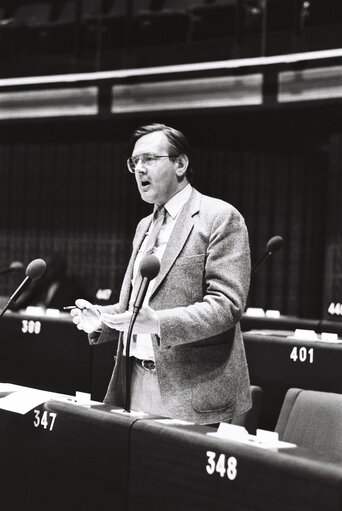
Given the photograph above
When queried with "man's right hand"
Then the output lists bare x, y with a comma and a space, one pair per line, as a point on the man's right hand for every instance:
86, 316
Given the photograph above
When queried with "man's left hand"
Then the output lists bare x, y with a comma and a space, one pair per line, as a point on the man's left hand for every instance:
147, 321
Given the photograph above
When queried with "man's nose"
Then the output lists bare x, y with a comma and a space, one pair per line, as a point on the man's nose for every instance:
139, 167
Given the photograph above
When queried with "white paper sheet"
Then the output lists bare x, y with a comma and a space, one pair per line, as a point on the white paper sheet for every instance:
25, 399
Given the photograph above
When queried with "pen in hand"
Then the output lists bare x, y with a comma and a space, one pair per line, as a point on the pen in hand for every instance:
87, 307
85, 315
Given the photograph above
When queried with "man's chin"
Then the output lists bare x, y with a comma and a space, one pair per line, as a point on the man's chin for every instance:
147, 197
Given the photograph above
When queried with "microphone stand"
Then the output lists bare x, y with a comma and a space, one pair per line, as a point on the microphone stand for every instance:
128, 367
149, 269
15, 295
273, 245
259, 263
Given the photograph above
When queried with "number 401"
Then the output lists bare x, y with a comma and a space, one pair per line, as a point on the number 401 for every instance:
302, 354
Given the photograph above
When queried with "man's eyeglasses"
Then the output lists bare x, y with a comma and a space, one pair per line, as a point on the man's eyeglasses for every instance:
148, 161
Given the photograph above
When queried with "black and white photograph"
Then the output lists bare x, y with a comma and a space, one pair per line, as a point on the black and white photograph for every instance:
170, 255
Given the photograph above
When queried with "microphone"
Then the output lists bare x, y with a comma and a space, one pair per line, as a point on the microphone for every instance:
16, 265
34, 271
149, 269
273, 245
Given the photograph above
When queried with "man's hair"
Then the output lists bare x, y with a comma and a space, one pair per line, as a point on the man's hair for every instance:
178, 143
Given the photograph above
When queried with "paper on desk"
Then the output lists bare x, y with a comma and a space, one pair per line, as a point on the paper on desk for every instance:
23, 400
263, 439
252, 440
10, 387
131, 413
330, 337
174, 422
304, 335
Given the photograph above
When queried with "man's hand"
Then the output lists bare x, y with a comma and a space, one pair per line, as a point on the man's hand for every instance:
86, 316
147, 321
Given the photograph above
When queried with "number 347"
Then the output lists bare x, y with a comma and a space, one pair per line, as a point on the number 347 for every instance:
45, 420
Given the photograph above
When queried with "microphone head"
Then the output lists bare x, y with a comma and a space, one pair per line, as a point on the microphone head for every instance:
150, 266
16, 265
36, 269
274, 244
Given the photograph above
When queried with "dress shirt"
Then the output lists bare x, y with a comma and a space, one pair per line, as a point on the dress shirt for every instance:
141, 345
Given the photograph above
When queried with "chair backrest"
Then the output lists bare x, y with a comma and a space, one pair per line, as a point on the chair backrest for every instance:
250, 419
33, 14
118, 9
175, 5
312, 419
67, 13
91, 9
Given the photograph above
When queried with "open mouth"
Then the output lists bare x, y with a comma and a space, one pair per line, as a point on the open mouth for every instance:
144, 183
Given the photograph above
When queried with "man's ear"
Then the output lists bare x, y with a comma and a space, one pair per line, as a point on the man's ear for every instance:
182, 163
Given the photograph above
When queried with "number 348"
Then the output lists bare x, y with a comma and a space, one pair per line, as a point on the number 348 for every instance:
223, 466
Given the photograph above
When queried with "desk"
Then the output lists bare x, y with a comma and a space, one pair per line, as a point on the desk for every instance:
63, 456
73, 458
171, 470
290, 323
276, 366
51, 354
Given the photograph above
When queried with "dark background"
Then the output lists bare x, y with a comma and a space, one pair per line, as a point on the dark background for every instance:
65, 185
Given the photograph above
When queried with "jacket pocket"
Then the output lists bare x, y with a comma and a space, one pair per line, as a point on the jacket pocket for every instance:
186, 279
213, 379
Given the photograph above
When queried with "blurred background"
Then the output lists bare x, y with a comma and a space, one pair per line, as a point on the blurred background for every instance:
255, 85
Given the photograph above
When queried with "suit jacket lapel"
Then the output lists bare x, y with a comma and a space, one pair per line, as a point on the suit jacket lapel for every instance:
179, 235
140, 235
139, 238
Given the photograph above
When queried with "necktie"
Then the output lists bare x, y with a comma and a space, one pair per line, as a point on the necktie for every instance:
159, 216
158, 220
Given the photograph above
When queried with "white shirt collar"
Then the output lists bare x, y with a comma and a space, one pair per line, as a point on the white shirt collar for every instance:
175, 204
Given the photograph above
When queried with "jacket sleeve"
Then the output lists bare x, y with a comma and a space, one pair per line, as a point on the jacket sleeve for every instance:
226, 276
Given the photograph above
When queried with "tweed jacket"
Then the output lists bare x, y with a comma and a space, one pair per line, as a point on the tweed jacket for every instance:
199, 296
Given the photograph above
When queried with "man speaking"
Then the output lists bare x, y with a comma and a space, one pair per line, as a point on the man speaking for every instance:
186, 356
